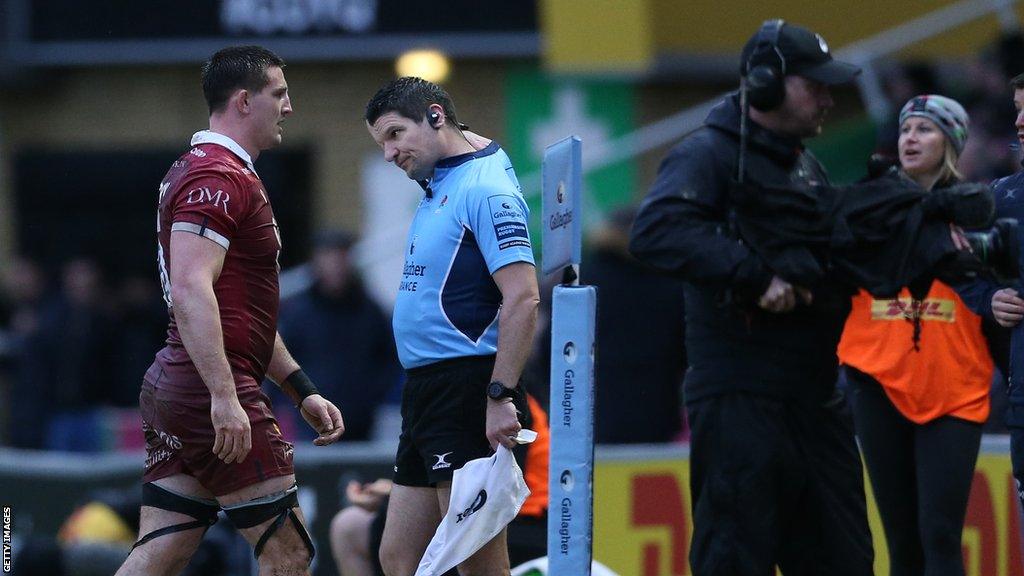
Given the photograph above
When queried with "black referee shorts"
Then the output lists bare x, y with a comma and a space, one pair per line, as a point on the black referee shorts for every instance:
444, 414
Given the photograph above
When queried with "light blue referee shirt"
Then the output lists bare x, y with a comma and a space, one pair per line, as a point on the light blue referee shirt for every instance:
471, 223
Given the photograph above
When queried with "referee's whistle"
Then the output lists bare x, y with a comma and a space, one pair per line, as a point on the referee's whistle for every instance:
525, 436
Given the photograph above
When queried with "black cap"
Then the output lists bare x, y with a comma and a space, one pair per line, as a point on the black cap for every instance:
805, 53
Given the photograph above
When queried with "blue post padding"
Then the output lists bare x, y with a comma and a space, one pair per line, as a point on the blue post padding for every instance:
571, 413
561, 197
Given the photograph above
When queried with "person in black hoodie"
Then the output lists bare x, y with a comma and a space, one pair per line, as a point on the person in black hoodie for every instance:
342, 337
775, 476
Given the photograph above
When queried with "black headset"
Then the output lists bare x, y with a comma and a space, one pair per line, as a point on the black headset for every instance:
764, 72
434, 117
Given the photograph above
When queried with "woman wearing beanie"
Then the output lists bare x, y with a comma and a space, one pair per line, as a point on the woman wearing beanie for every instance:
919, 373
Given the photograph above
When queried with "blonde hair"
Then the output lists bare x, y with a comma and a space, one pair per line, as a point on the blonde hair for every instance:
948, 171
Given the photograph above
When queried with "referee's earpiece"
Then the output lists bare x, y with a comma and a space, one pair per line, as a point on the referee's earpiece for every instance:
765, 69
434, 120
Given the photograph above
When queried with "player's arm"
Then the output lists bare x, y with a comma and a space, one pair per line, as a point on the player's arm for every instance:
517, 318
195, 264
320, 413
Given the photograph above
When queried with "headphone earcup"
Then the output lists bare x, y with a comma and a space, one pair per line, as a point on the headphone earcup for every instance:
766, 88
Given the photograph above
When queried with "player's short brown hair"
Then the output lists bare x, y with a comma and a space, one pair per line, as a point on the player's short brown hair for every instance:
235, 68
1017, 82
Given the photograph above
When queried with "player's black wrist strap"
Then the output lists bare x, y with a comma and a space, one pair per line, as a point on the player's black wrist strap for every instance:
298, 386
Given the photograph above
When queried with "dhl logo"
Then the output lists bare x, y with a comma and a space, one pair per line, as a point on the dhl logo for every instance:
930, 309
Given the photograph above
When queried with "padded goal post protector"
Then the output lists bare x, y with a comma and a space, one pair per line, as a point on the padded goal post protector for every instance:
571, 414
561, 196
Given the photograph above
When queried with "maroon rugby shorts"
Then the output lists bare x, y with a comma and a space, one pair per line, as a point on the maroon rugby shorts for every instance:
180, 437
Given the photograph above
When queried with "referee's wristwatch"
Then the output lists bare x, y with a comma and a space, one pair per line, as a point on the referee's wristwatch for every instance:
497, 390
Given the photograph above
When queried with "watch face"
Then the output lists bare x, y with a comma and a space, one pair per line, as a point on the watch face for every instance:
494, 390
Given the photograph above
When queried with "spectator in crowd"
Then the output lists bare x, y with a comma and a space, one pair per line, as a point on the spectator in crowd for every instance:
987, 155
140, 326
76, 357
22, 287
919, 374
23, 290
641, 352
341, 336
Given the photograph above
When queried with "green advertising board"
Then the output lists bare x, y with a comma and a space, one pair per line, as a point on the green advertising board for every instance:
542, 109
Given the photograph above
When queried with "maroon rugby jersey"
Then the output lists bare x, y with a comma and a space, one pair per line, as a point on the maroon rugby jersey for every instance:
213, 191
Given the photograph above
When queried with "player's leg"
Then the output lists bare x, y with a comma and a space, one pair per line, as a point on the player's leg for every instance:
492, 558
259, 494
177, 507
176, 511
267, 514
350, 541
413, 517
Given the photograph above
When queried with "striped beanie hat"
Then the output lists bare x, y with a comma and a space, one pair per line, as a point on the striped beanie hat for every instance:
946, 113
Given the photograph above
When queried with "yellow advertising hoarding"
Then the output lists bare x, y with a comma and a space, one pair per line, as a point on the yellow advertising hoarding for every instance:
602, 36
642, 523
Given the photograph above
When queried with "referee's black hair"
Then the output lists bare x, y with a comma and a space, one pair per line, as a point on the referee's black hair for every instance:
236, 68
410, 97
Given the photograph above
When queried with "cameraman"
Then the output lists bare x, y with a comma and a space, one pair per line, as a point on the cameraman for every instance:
776, 478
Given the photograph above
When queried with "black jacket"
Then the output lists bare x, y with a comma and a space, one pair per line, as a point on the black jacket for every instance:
877, 235
683, 228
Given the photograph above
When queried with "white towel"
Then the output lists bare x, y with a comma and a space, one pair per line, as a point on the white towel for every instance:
486, 495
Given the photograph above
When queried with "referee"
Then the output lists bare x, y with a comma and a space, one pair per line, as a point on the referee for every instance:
463, 319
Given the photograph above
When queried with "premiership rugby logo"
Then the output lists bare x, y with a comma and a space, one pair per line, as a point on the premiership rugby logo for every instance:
441, 205
473, 508
509, 221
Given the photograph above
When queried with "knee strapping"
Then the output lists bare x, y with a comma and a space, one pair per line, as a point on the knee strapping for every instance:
204, 511
279, 506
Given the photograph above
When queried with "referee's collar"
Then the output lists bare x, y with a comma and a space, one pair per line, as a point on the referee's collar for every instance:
208, 137
445, 165
453, 161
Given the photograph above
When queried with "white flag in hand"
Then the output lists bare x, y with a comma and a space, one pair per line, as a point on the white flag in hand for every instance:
486, 495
